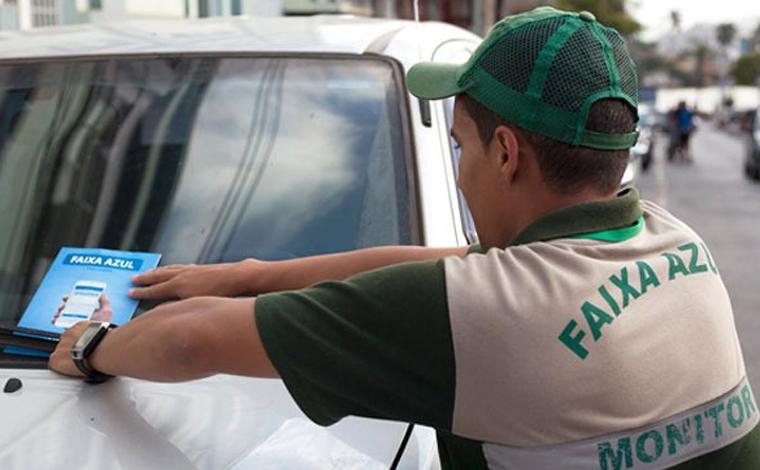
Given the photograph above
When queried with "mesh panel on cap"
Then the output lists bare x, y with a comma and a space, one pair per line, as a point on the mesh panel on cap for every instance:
512, 61
626, 69
577, 72
582, 59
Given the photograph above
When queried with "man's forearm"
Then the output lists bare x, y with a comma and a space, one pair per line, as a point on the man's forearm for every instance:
145, 348
186, 340
303, 272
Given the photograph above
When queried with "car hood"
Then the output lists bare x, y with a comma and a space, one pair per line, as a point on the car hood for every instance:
222, 422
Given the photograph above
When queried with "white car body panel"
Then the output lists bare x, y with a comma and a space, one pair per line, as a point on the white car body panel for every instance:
219, 422
224, 422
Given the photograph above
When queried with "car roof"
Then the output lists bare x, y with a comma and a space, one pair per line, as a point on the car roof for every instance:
325, 34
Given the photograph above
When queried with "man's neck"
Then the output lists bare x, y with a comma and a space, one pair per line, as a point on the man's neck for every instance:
539, 206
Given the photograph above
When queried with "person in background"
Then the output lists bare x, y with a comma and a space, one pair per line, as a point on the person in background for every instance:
684, 127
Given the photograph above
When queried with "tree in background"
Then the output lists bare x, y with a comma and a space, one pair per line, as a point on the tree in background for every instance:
675, 20
755, 39
726, 33
480, 15
651, 63
747, 69
609, 12
701, 53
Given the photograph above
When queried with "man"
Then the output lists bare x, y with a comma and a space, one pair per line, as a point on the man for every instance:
588, 330
684, 124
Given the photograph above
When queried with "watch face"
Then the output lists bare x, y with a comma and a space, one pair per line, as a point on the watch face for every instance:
86, 337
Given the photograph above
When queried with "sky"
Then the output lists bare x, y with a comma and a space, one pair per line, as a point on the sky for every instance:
655, 14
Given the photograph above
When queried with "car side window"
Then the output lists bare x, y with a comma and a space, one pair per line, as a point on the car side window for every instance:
457, 52
467, 221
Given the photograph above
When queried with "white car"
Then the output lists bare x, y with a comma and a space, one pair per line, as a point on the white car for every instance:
208, 141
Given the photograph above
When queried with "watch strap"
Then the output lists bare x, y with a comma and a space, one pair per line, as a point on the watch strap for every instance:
84, 367
91, 374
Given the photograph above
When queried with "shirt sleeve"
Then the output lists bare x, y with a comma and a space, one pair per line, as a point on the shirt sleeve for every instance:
377, 345
475, 249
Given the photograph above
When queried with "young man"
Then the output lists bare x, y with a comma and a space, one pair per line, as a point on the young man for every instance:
588, 330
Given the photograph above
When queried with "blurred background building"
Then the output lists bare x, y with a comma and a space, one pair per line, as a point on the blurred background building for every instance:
28, 14
477, 15
701, 56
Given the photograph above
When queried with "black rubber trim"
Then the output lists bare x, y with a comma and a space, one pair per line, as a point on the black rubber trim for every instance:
11, 361
425, 114
8, 338
402, 447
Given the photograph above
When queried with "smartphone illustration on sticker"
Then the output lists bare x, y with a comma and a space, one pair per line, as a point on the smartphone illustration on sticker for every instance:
82, 303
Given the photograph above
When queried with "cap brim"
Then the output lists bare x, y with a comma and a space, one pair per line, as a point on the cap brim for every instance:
430, 81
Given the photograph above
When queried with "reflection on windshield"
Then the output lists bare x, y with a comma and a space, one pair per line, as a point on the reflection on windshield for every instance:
203, 160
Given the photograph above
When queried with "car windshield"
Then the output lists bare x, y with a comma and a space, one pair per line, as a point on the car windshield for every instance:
202, 159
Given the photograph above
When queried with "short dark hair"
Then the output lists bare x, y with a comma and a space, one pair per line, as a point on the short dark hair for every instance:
569, 169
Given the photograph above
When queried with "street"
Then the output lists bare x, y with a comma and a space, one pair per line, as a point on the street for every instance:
715, 198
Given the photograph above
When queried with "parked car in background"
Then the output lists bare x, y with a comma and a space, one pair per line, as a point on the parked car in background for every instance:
752, 156
746, 120
212, 141
644, 149
631, 171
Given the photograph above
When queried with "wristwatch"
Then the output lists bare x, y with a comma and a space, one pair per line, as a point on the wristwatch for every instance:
84, 347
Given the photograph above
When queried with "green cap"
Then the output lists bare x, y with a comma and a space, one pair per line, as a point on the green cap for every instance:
542, 70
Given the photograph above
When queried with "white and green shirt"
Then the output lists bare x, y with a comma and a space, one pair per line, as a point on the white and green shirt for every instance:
602, 338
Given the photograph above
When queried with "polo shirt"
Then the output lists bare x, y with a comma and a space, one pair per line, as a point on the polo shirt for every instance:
603, 337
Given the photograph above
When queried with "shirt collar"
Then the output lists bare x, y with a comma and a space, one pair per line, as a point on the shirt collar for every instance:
612, 220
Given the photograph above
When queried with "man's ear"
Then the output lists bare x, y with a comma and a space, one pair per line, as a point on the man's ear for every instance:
507, 148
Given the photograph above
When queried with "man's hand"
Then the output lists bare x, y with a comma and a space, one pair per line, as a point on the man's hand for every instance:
60, 361
60, 308
104, 313
181, 281
253, 277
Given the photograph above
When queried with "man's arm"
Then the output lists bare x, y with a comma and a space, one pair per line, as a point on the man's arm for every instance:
177, 342
378, 345
253, 277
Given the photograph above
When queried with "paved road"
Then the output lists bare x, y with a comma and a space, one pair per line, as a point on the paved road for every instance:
723, 206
